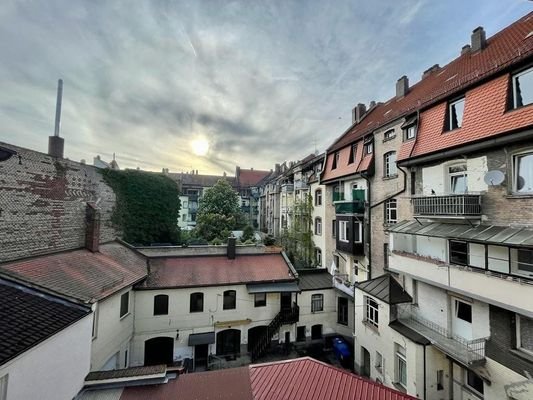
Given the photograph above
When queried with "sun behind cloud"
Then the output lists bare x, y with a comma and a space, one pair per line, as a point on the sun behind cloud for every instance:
200, 146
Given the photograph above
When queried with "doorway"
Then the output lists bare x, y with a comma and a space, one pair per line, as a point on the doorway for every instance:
254, 334
200, 357
365, 367
462, 319
159, 350
316, 332
228, 342
286, 300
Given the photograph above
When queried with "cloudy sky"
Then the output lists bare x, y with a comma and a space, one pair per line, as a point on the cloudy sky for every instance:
261, 81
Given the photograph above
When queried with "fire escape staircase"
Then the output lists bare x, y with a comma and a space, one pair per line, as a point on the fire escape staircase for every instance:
284, 317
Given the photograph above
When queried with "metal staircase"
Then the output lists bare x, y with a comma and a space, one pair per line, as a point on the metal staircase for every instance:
284, 317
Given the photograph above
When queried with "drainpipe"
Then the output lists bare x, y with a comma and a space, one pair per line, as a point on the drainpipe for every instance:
365, 177
425, 372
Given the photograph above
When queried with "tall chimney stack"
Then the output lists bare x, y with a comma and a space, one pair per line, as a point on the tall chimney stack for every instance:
358, 112
92, 232
56, 144
402, 86
479, 39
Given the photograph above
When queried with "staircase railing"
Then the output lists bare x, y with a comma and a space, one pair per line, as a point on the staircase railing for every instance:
285, 316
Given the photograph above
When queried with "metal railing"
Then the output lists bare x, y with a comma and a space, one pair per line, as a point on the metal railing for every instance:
350, 207
338, 196
464, 350
447, 205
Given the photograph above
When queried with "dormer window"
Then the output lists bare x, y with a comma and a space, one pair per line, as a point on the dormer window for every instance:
410, 132
455, 114
409, 128
353, 152
523, 88
388, 135
336, 158
369, 147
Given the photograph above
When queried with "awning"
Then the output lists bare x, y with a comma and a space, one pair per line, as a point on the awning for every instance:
279, 287
498, 235
201, 338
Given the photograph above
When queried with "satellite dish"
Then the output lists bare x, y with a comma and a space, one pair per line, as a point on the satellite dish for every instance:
494, 178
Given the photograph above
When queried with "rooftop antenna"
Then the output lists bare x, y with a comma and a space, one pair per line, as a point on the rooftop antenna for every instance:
56, 144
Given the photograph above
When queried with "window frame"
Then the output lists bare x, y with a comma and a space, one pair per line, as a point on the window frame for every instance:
371, 312
336, 159
359, 231
514, 161
449, 120
191, 303
470, 387
451, 175
387, 134
318, 226
227, 294
260, 302
317, 303
456, 309
159, 312
334, 228
4, 384
353, 154
318, 197
389, 210
343, 309
401, 359
390, 170
518, 318
513, 83
409, 132
369, 147
318, 256
343, 231
127, 305
467, 254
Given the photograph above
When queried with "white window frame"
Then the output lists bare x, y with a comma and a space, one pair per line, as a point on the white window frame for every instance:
450, 176
318, 256
450, 113
515, 94
471, 388
343, 231
369, 148
518, 339
389, 134
515, 172
129, 305
389, 165
95, 324
389, 209
318, 226
318, 197
400, 359
410, 132
371, 312
360, 230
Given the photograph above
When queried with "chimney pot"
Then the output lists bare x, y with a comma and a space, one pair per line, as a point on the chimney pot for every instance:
402, 86
478, 39
430, 70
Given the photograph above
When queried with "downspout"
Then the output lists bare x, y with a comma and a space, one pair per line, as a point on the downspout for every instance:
365, 177
425, 372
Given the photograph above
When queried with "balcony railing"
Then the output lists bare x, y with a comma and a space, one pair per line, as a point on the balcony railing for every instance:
350, 207
470, 352
452, 205
338, 196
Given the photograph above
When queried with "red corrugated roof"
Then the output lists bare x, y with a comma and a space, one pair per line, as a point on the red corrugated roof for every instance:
216, 270
81, 274
309, 379
507, 47
251, 177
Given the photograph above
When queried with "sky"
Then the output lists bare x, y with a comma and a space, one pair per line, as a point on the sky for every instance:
259, 82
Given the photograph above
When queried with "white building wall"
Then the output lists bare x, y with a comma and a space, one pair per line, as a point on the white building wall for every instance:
54, 369
436, 177
319, 211
113, 334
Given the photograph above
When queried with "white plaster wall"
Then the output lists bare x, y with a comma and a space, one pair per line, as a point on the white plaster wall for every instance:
113, 333
431, 247
320, 212
500, 377
54, 369
436, 177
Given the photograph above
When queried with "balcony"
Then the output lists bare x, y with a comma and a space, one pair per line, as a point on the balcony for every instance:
452, 205
469, 352
350, 207
287, 188
338, 196
341, 283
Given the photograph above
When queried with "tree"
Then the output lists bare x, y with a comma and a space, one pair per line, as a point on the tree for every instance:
297, 239
218, 212
247, 233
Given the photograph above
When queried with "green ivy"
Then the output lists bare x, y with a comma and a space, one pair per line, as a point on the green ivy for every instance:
147, 206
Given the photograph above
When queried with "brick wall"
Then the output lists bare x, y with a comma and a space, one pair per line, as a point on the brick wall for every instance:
43, 203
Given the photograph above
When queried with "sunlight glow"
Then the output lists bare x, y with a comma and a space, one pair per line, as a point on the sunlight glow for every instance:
200, 146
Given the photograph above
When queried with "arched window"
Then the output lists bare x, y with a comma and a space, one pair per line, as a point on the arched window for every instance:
161, 304
318, 226
230, 300
318, 197
197, 302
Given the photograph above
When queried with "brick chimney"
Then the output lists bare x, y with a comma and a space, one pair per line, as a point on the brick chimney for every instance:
402, 86
479, 39
92, 231
231, 248
465, 49
358, 112
56, 144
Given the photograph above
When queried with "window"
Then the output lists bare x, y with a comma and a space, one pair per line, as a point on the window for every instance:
389, 164
524, 334
388, 135
522, 262
334, 228
401, 366
230, 297
414, 291
343, 231
369, 147
378, 363
523, 173
353, 153
391, 211
357, 232
317, 302
318, 226
474, 382
413, 183
463, 311
318, 257
336, 261
372, 312
95, 323
523, 88
185, 204
385, 256
3, 387
338, 192
124, 304
458, 252
342, 311
336, 158
318, 197
410, 132
440, 379
197, 302
455, 114
300, 334
457, 176
161, 304
260, 300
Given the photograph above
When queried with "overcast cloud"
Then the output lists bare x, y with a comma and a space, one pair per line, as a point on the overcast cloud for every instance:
264, 81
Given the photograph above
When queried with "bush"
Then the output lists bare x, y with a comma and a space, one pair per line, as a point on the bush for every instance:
249, 241
216, 242
198, 242
269, 240
247, 233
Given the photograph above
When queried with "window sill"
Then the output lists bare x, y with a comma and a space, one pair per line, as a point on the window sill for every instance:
387, 178
522, 354
372, 327
125, 316
519, 196
400, 387
389, 139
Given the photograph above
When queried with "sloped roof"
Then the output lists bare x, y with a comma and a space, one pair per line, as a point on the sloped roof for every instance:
216, 270
507, 47
251, 177
80, 274
28, 317
315, 278
385, 288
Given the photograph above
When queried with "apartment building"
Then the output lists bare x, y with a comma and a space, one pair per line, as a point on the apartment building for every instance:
459, 325
247, 182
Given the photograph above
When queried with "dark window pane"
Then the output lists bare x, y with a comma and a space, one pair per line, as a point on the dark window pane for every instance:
474, 381
523, 88
197, 302
161, 304
524, 173
124, 304
458, 252
229, 300
260, 300
463, 311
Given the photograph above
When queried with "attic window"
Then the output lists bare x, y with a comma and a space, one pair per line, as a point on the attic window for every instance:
390, 134
336, 158
523, 88
369, 147
455, 114
353, 152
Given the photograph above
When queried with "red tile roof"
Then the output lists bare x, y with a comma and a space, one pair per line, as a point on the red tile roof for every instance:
309, 379
81, 274
251, 177
300, 379
216, 270
362, 163
504, 49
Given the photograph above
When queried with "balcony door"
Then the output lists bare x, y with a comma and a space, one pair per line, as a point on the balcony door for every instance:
462, 319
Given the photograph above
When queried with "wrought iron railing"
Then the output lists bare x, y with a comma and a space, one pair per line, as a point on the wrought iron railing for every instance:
447, 205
